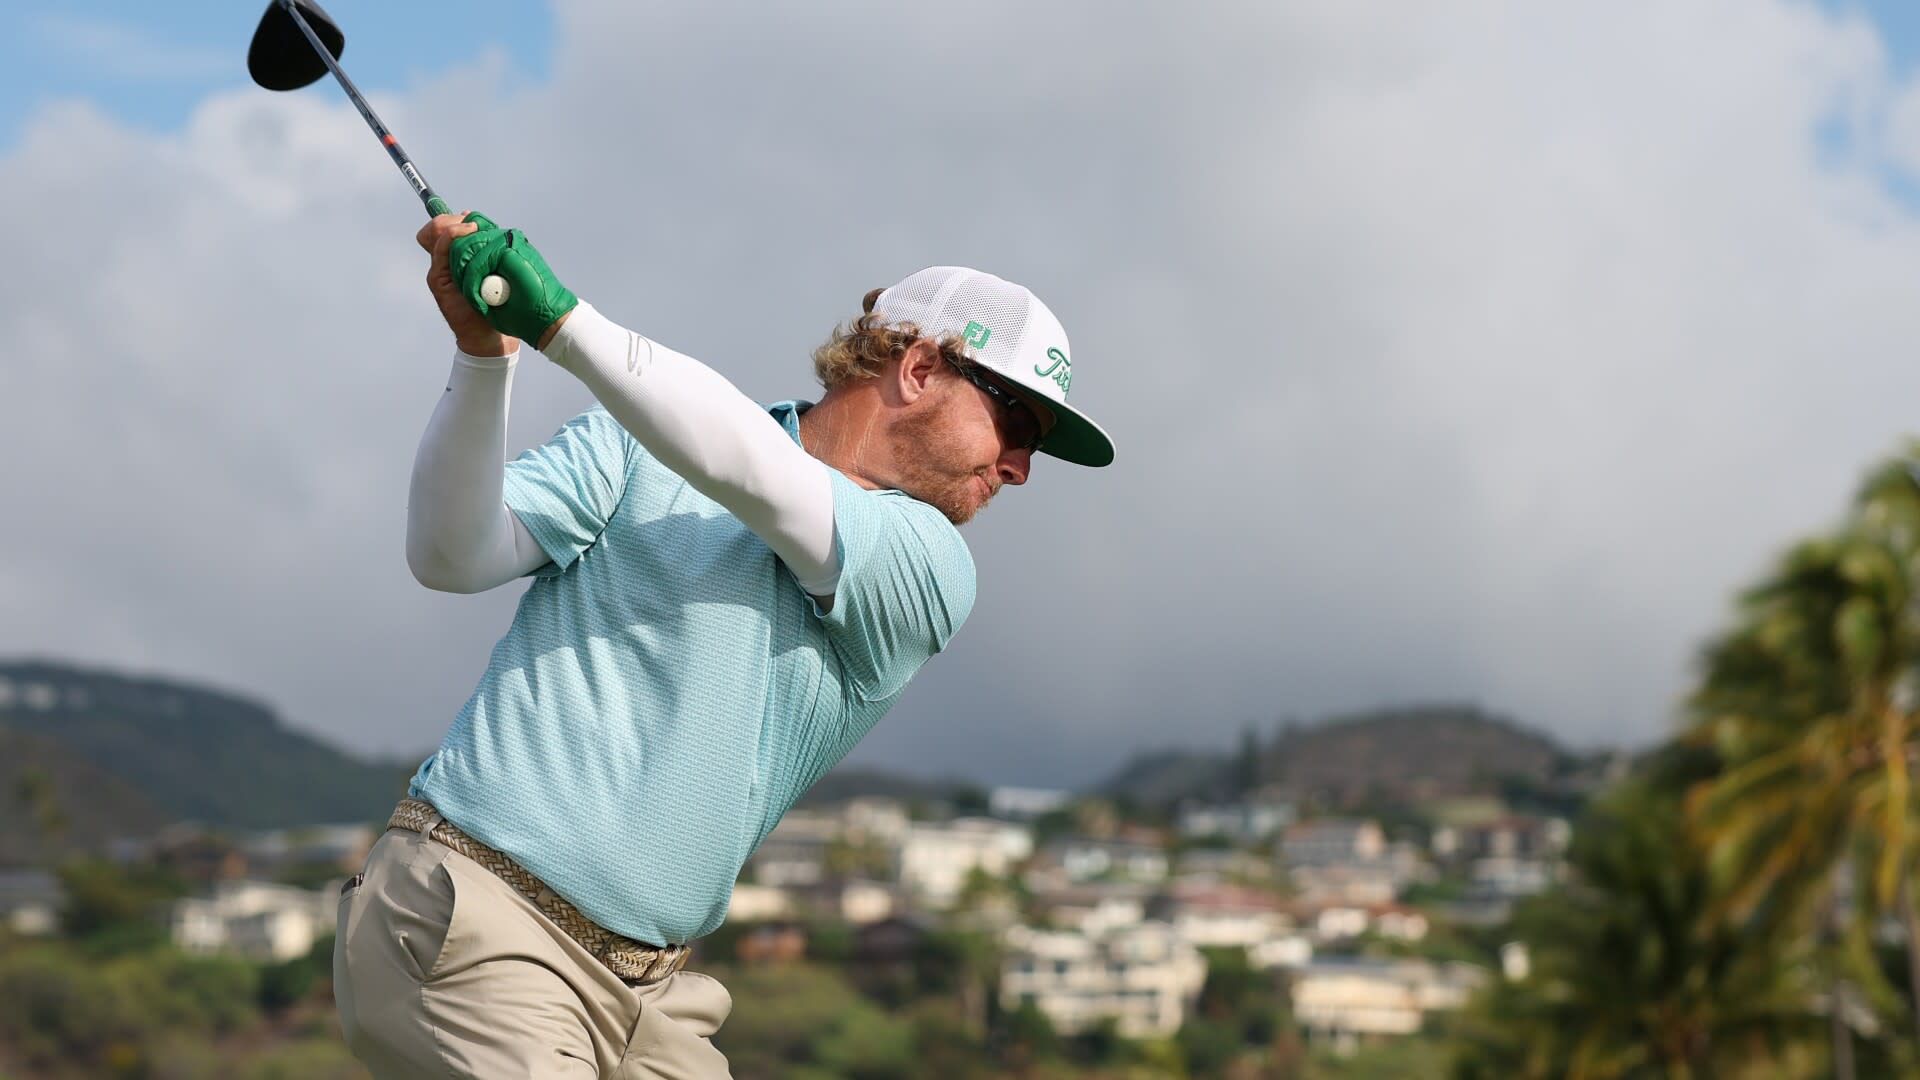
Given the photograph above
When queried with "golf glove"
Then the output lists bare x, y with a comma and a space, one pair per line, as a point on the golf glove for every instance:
536, 298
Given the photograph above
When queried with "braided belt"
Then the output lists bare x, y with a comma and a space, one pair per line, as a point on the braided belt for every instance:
631, 960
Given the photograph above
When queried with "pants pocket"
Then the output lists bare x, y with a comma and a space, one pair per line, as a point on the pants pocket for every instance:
697, 1002
460, 945
673, 1038
343, 924
393, 927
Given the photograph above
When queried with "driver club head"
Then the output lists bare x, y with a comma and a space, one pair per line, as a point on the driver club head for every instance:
281, 57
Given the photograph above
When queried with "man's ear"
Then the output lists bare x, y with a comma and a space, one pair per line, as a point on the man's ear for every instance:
914, 376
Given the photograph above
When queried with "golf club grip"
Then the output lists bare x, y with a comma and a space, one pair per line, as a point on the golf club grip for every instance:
492, 284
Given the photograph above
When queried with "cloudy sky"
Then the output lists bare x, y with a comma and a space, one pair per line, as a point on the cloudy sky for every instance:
1465, 352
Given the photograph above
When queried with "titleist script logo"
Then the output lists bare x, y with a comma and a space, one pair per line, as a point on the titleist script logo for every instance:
1060, 371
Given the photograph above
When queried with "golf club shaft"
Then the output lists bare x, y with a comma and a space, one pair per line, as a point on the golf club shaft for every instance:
435, 204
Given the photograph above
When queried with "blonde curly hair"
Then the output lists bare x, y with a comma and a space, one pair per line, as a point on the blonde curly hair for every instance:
861, 348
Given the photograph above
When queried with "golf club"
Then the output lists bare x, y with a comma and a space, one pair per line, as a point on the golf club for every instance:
296, 43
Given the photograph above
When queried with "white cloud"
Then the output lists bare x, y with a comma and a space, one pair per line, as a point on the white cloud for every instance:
122, 51
1475, 353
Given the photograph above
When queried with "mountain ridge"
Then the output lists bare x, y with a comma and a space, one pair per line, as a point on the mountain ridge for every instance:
1393, 754
194, 752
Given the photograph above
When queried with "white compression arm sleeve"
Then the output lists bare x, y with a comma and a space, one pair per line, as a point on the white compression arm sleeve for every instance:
716, 438
460, 535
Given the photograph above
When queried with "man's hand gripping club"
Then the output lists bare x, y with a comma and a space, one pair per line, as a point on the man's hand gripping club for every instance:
465, 249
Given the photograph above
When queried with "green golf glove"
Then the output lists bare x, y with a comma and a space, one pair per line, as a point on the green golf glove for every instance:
535, 297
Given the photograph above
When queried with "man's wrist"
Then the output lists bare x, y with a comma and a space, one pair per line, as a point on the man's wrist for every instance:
546, 336
487, 345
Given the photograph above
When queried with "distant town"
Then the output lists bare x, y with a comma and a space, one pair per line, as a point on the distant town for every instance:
1100, 918
1370, 899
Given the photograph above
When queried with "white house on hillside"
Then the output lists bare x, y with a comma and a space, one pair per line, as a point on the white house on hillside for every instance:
1346, 883
1093, 909
1024, 804
259, 920
936, 857
1331, 842
1201, 866
1091, 860
1144, 977
1241, 822
30, 901
1344, 1000
1224, 916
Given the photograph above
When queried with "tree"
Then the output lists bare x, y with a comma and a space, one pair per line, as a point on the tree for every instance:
1208, 1045
864, 1043
34, 790
866, 858
963, 963
117, 908
1246, 763
289, 982
1030, 1036
1810, 701
1629, 977
1100, 1046
944, 1041
778, 1014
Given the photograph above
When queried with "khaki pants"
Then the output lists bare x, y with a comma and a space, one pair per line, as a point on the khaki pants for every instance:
441, 969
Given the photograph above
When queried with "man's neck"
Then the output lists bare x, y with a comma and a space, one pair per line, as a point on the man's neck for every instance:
840, 432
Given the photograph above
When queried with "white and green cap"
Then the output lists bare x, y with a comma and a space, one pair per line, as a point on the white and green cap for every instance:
1007, 329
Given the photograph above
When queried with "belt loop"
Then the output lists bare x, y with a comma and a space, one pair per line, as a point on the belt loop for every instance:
416, 815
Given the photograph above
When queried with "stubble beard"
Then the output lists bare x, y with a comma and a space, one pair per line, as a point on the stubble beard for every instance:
937, 474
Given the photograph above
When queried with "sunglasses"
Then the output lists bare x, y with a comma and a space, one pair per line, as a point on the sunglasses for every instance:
1023, 426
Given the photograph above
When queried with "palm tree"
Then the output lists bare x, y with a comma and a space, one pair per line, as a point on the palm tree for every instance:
1809, 701
1718, 940
1629, 979
1888, 507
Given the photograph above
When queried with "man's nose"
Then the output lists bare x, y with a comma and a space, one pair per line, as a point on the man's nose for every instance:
1014, 465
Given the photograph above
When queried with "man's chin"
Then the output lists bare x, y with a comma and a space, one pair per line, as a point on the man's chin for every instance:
958, 501
959, 505
962, 510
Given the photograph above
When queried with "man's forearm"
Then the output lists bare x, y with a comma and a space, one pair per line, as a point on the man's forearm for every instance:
460, 535
719, 440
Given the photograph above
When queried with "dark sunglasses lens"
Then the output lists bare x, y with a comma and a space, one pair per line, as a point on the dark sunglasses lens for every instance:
1023, 427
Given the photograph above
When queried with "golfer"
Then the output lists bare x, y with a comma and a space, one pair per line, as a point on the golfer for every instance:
726, 597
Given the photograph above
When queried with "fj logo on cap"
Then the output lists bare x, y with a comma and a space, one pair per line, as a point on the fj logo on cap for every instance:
976, 335
1060, 371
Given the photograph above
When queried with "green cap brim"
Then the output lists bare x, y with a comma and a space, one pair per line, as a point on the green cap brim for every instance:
1077, 439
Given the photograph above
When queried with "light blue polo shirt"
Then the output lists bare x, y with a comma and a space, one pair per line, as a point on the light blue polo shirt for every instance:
667, 690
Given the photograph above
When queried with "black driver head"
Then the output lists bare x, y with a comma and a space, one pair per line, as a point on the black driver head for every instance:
281, 57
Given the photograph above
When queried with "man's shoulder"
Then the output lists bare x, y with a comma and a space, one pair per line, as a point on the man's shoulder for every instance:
891, 507
894, 539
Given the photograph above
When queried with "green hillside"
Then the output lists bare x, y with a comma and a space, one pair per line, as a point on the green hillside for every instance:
53, 799
191, 753
1414, 754
1400, 755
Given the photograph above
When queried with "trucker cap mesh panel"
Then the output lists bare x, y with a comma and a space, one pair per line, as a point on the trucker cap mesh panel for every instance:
989, 314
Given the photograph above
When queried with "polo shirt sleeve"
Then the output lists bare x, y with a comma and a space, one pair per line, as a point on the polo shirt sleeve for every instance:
566, 489
906, 585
